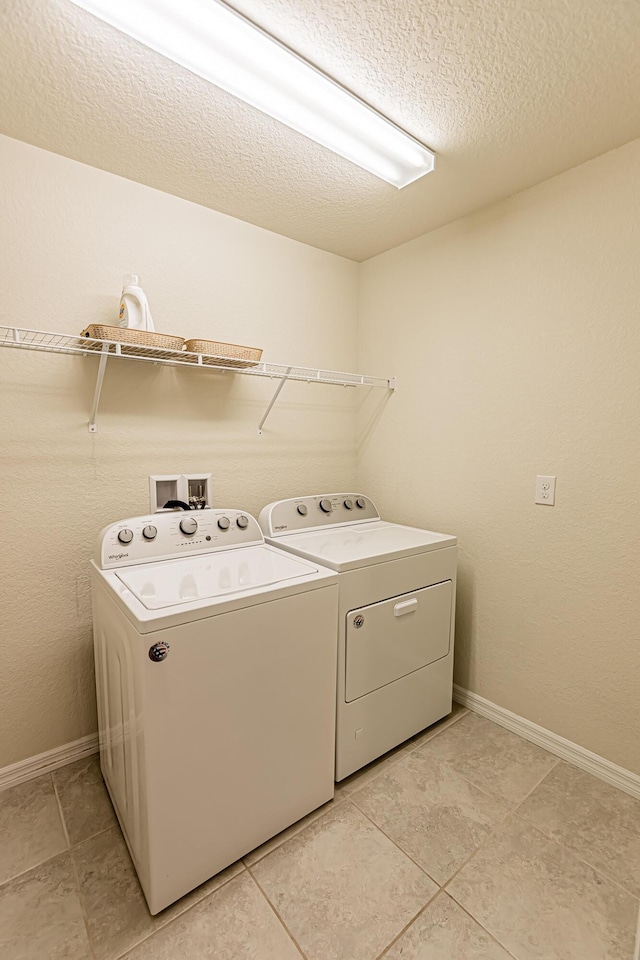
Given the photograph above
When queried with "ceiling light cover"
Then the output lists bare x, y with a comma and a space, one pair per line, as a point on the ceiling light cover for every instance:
216, 43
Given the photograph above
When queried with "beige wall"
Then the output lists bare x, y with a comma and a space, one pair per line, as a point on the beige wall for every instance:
515, 337
67, 235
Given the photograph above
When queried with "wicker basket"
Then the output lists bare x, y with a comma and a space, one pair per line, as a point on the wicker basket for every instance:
158, 342
220, 354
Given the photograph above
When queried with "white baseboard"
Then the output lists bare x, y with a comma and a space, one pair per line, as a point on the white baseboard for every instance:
46, 762
566, 749
555, 744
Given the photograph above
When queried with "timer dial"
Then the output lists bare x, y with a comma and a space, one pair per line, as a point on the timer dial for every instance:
189, 526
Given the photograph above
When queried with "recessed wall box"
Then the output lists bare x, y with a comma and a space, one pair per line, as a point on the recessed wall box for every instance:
198, 490
194, 489
162, 489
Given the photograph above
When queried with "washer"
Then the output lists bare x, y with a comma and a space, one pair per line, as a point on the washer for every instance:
215, 672
395, 622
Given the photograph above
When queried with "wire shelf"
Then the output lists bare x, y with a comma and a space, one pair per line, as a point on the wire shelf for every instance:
22, 338
48, 342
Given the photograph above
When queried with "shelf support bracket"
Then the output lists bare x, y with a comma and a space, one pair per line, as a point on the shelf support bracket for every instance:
104, 353
273, 400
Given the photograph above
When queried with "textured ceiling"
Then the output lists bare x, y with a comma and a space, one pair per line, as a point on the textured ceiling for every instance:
507, 92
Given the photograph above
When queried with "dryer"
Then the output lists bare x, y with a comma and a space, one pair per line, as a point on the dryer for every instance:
397, 588
215, 664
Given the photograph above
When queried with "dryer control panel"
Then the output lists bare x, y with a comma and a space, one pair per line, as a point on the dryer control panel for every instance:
317, 512
165, 536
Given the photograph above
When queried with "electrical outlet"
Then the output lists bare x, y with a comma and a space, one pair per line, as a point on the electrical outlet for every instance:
546, 490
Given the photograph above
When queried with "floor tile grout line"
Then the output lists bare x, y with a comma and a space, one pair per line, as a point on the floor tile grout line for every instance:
513, 804
83, 911
69, 850
482, 927
426, 907
598, 870
407, 925
559, 843
277, 914
477, 786
36, 866
165, 924
429, 735
178, 916
494, 829
381, 767
395, 843
424, 870
511, 812
248, 868
436, 733
349, 797
531, 826
490, 796
41, 863
336, 802
82, 906
98, 833
60, 812
404, 748
400, 755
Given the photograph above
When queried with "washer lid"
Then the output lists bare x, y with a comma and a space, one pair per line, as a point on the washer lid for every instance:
358, 545
166, 584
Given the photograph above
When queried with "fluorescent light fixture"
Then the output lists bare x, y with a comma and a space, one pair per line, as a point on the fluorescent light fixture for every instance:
217, 43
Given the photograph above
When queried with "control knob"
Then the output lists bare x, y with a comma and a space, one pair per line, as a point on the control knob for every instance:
348, 504
302, 509
325, 506
150, 532
189, 526
223, 523
125, 536
361, 503
242, 521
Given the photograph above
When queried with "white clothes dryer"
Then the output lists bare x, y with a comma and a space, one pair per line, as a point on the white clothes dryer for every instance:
215, 671
396, 617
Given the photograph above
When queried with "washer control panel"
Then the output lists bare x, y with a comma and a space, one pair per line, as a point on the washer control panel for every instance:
308, 513
165, 536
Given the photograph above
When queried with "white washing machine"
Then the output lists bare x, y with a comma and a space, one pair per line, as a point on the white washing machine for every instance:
215, 671
396, 617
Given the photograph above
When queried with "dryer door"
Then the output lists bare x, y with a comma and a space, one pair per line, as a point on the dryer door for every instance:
389, 639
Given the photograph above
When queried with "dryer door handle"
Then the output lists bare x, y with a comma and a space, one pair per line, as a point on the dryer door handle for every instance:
407, 606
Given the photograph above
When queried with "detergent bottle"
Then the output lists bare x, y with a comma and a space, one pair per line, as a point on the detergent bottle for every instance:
134, 306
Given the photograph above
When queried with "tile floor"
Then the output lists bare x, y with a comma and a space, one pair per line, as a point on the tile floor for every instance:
466, 843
